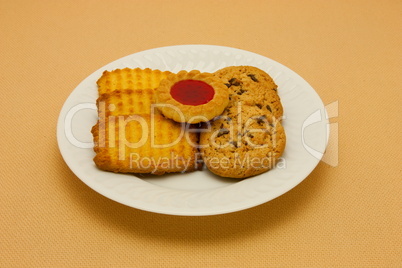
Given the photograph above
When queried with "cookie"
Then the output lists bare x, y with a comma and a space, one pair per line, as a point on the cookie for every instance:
128, 78
126, 102
191, 97
144, 144
244, 141
251, 86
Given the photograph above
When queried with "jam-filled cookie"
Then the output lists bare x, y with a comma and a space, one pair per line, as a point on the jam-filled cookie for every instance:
191, 97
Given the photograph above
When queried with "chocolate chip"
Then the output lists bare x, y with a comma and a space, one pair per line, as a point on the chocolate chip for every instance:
269, 108
234, 82
252, 76
234, 143
227, 84
241, 91
260, 120
258, 105
223, 131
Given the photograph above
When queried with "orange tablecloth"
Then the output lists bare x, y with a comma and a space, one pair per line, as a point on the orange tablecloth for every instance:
346, 213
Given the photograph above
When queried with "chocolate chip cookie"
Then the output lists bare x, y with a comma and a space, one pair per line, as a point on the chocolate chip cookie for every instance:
251, 86
248, 138
244, 141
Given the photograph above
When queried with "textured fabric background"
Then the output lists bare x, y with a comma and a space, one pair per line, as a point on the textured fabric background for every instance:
347, 215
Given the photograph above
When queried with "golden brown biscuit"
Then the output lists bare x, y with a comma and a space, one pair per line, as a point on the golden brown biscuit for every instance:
251, 86
144, 144
243, 142
130, 79
126, 102
191, 97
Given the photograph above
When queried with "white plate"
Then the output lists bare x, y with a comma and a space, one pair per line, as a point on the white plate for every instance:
200, 192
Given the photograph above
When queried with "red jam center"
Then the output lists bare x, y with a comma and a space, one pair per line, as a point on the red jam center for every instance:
192, 92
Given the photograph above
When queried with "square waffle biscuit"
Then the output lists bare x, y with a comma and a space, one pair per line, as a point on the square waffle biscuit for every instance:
144, 144
126, 102
130, 79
